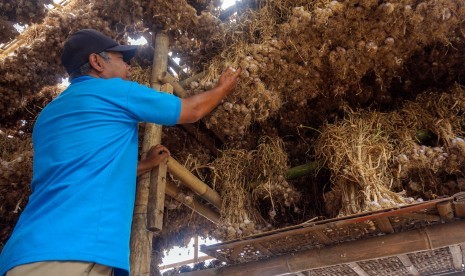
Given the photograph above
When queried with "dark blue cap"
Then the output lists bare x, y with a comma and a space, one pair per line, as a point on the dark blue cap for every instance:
82, 43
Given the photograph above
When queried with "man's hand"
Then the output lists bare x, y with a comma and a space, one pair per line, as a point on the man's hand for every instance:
228, 79
155, 156
197, 106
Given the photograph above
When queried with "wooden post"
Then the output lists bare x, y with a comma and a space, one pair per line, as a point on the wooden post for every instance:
141, 238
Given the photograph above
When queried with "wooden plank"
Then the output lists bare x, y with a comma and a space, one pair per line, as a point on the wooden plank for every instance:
429, 238
457, 257
141, 239
384, 225
357, 269
408, 264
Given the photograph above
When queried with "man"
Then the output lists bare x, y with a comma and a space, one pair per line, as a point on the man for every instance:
78, 218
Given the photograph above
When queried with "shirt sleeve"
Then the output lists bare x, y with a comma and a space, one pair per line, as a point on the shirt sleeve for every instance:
149, 105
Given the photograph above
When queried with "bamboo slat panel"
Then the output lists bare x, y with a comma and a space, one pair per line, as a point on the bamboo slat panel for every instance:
431, 262
329, 232
337, 270
391, 266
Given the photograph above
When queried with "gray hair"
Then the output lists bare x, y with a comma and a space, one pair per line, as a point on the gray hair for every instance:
85, 69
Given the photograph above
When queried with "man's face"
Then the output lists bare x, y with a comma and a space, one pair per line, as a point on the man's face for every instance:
116, 67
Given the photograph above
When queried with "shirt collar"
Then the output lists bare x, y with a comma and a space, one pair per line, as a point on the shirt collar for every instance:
81, 78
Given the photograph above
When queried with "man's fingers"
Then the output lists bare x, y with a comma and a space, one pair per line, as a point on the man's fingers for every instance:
238, 71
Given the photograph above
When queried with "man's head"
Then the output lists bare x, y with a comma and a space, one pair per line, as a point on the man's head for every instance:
89, 52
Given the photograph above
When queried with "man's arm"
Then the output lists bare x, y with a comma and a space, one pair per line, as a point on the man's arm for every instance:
196, 107
155, 156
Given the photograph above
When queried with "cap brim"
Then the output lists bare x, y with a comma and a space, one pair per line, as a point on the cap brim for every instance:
128, 51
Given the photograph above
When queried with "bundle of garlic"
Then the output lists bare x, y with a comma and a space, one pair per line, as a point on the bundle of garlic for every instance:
38, 64
239, 214
270, 162
20, 12
252, 101
358, 153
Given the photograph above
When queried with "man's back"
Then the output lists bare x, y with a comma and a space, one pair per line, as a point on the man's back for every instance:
85, 160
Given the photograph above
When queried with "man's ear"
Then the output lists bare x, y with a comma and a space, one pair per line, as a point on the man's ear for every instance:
96, 63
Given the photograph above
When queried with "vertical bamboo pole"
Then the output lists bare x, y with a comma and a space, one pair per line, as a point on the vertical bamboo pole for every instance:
141, 238
196, 248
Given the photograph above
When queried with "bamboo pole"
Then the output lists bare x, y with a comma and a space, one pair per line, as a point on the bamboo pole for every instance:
301, 170
429, 238
191, 261
141, 239
165, 77
196, 77
192, 182
201, 209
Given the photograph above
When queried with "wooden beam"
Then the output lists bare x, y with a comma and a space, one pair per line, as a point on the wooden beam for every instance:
192, 182
457, 257
430, 238
357, 269
141, 239
408, 264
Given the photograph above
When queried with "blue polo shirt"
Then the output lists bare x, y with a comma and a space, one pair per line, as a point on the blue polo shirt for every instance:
84, 183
